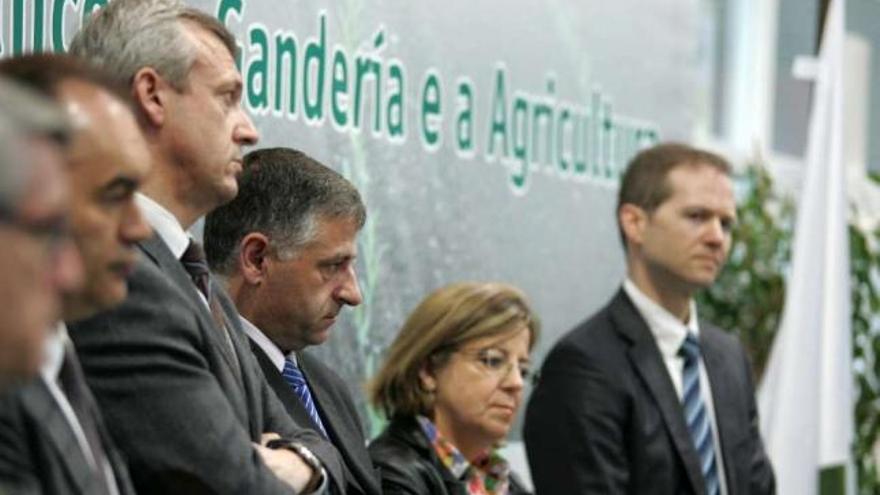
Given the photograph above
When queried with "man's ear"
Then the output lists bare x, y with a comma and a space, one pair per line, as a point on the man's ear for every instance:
632, 220
253, 257
150, 93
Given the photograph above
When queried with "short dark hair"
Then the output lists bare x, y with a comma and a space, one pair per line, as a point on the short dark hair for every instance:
44, 73
282, 192
645, 184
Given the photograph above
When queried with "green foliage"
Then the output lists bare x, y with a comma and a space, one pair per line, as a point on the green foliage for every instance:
866, 348
749, 294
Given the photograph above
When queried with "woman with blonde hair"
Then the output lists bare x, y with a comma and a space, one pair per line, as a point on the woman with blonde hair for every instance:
451, 386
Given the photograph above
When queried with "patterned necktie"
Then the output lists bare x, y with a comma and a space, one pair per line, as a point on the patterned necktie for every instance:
696, 416
294, 377
72, 382
196, 264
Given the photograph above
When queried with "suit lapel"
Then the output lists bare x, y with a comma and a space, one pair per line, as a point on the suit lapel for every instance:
158, 251
647, 360
337, 423
724, 397
40, 403
336, 426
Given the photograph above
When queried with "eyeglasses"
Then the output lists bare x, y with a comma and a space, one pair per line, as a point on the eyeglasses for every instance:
499, 364
52, 232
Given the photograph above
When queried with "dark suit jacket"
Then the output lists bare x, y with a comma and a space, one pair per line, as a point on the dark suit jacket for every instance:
410, 466
39, 452
173, 398
605, 417
338, 414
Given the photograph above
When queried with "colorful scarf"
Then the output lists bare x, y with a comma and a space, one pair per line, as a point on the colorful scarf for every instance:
488, 474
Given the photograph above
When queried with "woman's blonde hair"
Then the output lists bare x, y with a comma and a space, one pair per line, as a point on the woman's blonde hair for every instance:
442, 323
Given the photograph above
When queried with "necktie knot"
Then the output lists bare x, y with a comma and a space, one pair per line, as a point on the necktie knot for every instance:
690, 348
293, 375
196, 264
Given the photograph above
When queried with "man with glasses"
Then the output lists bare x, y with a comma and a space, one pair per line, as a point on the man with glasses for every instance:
53, 435
644, 397
287, 246
37, 259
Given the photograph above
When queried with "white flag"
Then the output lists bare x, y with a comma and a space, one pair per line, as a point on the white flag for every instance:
806, 398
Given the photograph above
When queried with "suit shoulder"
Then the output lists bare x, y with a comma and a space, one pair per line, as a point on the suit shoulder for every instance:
715, 332
594, 337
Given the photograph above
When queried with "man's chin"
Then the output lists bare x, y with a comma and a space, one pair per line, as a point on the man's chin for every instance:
81, 306
321, 335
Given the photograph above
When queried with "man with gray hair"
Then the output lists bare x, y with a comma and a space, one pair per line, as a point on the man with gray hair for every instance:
41, 448
180, 390
287, 246
37, 259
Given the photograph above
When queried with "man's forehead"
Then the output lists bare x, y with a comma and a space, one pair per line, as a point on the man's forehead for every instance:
104, 126
211, 53
691, 180
46, 192
334, 234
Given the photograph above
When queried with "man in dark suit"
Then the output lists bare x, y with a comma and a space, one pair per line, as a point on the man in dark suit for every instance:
36, 258
52, 435
643, 397
287, 245
181, 392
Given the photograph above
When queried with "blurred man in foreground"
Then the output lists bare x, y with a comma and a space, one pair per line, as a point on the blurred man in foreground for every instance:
53, 436
37, 259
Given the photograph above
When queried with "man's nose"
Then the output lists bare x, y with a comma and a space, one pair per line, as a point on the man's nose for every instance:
350, 292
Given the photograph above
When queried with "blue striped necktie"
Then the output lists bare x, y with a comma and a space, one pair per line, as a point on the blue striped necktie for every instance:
294, 377
696, 415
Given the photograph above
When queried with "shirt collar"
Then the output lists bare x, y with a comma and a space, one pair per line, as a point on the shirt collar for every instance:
165, 224
668, 331
272, 351
53, 352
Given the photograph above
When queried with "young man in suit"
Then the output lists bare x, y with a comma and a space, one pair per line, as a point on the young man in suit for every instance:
37, 259
170, 367
643, 397
53, 436
286, 246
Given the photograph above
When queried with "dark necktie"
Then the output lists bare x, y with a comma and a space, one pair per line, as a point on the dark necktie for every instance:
72, 382
297, 381
696, 415
196, 264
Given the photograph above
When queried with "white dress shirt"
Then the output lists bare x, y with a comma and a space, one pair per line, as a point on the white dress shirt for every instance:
165, 224
53, 352
272, 351
669, 333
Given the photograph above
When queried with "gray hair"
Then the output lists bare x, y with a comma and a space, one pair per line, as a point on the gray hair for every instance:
23, 114
127, 35
282, 194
